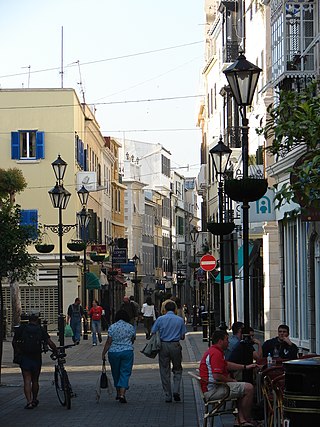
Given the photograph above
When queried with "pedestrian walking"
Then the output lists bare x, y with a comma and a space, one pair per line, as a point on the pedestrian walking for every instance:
171, 329
137, 310
119, 345
130, 308
28, 343
74, 317
149, 316
96, 313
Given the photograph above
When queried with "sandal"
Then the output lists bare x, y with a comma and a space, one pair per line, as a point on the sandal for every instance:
35, 403
29, 406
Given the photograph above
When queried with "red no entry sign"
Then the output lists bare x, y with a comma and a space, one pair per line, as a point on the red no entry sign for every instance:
208, 262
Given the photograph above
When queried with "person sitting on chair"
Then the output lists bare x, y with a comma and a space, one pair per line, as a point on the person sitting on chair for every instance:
214, 369
280, 346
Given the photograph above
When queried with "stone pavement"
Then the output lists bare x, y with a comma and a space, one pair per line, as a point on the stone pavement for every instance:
146, 406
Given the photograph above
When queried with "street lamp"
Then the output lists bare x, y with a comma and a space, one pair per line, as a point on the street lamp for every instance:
243, 77
136, 281
220, 155
194, 234
83, 220
60, 197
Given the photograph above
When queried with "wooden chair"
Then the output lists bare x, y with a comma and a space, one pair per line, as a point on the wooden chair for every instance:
277, 388
216, 408
268, 375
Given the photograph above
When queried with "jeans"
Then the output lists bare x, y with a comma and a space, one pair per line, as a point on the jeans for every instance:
121, 367
96, 329
75, 324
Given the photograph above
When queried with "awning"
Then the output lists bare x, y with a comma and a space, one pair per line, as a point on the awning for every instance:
92, 281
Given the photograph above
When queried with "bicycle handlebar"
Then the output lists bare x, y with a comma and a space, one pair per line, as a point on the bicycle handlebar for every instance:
60, 353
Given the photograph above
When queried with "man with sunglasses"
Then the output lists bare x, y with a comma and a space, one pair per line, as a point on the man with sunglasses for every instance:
280, 345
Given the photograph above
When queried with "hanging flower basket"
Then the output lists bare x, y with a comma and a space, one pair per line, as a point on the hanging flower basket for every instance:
220, 228
96, 257
44, 248
76, 246
245, 189
72, 258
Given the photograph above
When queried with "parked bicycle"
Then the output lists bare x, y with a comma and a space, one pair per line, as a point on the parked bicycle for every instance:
60, 379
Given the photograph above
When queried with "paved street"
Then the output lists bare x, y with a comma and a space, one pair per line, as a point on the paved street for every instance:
145, 408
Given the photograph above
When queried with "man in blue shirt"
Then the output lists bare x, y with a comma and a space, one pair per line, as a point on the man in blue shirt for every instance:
171, 329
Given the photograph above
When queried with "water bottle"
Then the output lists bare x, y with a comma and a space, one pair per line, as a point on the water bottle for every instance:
269, 360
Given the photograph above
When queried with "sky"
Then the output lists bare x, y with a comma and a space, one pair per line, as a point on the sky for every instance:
116, 55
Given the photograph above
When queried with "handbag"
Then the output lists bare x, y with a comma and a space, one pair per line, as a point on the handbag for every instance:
103, 377
153, 346
68, 332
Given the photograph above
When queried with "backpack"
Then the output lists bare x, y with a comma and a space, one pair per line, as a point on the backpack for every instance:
31, 339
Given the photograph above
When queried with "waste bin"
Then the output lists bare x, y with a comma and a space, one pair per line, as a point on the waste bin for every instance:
301, 399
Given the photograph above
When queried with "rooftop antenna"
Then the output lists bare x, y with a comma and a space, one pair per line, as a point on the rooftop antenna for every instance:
61, 69
29, 71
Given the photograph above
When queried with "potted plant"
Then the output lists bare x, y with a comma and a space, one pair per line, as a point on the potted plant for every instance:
44, 248
76, 245
245, 189
72, 258
220, 228
97, 257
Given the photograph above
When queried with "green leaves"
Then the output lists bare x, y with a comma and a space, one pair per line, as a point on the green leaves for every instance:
295, 122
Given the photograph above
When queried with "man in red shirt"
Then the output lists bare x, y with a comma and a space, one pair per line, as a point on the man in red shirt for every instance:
214, 368
95, 313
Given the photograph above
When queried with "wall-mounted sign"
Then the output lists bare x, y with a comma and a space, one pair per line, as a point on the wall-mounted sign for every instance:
88, 180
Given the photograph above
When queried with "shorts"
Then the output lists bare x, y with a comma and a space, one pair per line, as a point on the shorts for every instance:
218, 392
29, 364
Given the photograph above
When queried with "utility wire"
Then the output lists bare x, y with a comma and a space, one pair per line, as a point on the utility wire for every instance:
133, 101
147, 52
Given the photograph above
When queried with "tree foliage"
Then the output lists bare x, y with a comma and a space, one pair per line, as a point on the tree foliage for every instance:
294, 123
12, 181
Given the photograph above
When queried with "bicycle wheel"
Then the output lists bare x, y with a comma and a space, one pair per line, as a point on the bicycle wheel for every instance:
59, 384
67, 389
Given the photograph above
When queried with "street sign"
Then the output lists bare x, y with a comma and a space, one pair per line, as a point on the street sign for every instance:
119, 256
208, 262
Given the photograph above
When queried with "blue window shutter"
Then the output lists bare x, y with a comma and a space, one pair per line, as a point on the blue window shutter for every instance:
85, 159
40, 145
29, 218
15, 145
81, 155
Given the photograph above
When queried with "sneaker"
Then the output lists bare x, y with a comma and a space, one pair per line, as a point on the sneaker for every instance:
94, 344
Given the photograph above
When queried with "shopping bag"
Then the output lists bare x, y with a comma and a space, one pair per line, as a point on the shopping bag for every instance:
68, 332
103, 377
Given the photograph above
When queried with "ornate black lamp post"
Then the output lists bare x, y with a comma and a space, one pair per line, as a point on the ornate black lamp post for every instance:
83, 220
60, 198
220, 155
243, 77
194, 234
136, 281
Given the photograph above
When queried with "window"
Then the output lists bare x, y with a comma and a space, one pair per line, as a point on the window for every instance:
165, 165
180, 225
27, 144
29, 219
166, 208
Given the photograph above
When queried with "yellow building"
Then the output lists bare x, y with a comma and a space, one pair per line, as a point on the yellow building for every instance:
36, 125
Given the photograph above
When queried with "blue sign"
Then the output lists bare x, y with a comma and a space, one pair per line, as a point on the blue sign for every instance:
119, 256
129, 267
